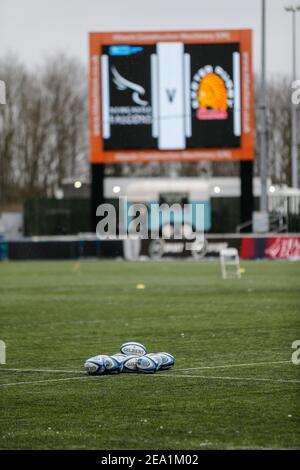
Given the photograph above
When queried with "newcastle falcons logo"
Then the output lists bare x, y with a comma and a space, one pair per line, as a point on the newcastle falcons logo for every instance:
124, 84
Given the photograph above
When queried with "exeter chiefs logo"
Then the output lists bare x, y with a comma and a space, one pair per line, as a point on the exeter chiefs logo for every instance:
124, 84
212, 93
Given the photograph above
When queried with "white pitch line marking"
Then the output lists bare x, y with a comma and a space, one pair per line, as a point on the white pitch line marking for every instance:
209, 377
60, 371
36, 382
203, 377
235, 365
225, 366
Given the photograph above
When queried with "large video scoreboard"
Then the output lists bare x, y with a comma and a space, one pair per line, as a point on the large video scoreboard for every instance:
171, 96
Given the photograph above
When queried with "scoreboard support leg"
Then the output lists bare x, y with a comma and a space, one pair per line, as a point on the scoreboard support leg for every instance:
246, 198
97, 191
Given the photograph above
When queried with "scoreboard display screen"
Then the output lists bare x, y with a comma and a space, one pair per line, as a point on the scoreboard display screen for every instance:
171, 96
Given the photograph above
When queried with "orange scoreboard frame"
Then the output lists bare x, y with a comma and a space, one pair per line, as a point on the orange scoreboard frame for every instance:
202, 108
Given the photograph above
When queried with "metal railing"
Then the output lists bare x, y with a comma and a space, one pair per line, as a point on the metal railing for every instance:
277, 224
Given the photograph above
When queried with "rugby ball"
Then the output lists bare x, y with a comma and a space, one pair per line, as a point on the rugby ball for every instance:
167, 360
112, 365
132, 348
120, 357
95, 365
158, 358
130, 364
147, 364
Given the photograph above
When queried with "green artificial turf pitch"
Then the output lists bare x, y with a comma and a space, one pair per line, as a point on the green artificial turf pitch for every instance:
54, 315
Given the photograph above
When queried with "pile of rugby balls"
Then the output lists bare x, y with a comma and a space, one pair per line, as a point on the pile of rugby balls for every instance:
132, 357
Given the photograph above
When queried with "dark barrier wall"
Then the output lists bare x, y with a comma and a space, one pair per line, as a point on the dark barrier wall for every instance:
250, 247
56, 216
46, 250
225, 214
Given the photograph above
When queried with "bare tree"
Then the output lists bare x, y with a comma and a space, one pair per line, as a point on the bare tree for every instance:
279, 130
279, 135
64, 84
14, 75
43, 127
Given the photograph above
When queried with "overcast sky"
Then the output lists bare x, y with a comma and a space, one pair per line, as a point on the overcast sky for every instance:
35, 28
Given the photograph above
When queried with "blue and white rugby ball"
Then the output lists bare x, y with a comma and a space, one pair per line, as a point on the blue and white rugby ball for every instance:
112, 365
130, 364
133, 348
158, 359
120, 357
167, 360
95, 365
147, 364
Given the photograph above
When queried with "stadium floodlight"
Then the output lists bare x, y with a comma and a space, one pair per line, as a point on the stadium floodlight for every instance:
59, 193
292, 8
116, 189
